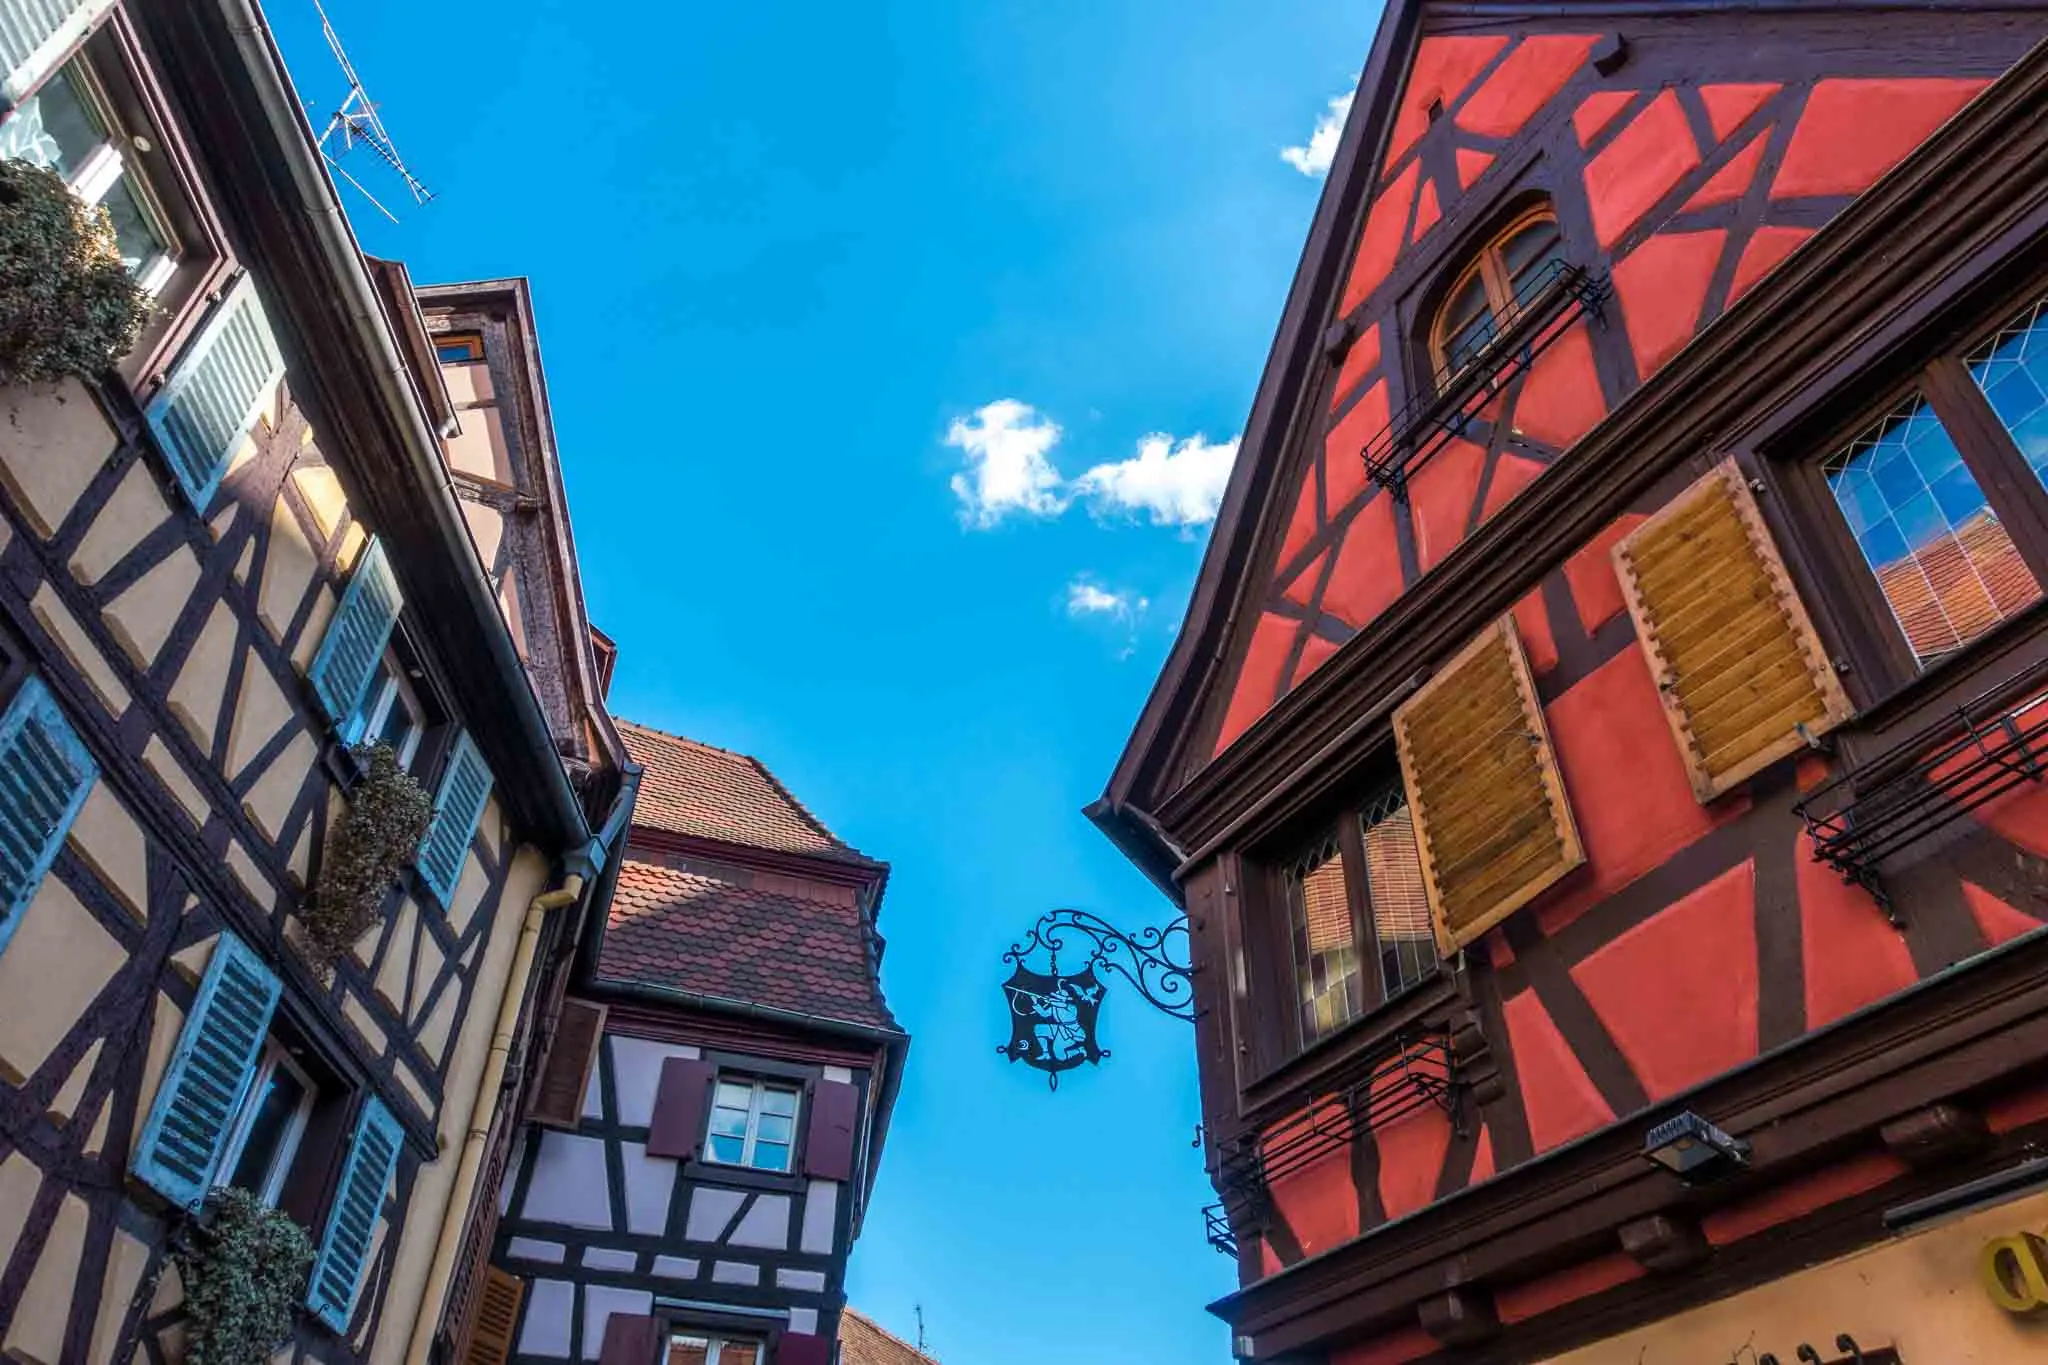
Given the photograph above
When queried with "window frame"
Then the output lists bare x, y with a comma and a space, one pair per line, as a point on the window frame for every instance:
370, 714
290, 1142
1269, 942
1486, 262
120, 74
472, 342
758, 1087
716, 1339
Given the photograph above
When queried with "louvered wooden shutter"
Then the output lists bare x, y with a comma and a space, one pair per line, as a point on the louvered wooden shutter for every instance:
495, 1318
1743, 678
1491, 819
209, 1075
558, 1098
45, 775
352, 1218
458, 805
35, 35
681, 1107
215, 391
356, 634
829, 1130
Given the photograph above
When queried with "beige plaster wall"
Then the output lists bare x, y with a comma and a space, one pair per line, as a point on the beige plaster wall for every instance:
1919, 1293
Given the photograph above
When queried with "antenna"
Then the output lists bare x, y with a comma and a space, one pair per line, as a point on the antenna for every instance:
355, 124
920, 1330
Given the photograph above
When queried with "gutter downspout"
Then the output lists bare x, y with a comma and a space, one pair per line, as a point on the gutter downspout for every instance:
482, 1111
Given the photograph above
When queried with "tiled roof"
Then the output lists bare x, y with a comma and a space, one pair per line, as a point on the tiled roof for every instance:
863, 1343
709, 793
715, 933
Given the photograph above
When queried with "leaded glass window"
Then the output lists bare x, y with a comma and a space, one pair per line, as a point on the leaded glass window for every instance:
1400, 904
2012, 370
1946, 564
1326, 968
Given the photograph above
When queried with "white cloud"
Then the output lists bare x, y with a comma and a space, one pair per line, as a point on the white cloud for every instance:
1177, 483
1315, 158
1008, 469
1087, 598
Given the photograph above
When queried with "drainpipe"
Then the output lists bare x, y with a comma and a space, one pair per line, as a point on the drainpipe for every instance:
481, 1111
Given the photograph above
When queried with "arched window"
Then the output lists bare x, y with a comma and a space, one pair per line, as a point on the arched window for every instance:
1493, 287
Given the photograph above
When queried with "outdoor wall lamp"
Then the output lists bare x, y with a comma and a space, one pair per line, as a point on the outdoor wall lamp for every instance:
1694, 1150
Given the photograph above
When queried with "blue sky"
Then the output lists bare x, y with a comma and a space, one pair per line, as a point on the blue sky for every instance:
790, 261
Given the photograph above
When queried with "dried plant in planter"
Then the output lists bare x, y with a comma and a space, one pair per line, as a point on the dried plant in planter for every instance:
67, 303
388, 815
245, 1277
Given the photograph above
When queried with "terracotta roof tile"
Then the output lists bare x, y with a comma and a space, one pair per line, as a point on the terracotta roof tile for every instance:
720, 936
861, 1342
709, 793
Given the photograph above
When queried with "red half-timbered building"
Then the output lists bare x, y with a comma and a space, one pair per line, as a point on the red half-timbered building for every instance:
1613, 696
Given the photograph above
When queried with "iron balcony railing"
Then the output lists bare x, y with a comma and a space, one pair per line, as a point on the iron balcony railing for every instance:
1409, 1072
1543, 310
1958, 763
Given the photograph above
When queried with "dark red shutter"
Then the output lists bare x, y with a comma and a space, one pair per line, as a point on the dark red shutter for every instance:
679, 1112
558, 1097
828, 1142
629, 1339
803, 1348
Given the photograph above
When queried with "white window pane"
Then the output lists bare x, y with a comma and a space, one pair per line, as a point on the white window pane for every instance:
727, 1149
732, 1096
781, 1102
775, 1128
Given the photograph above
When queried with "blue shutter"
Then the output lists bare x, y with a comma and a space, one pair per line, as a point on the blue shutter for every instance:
356, 636
35, 35
45, 774
372, 1158
209, 1075
465, 786
215, 392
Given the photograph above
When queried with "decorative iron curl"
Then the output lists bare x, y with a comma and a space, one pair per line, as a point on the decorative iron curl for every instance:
1157, 960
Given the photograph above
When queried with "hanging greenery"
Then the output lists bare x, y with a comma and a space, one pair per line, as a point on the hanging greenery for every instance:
388, 815
67, 303
245, 1277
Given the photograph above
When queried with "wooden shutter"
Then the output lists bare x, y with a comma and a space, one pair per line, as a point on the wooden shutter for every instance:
1491, 819
829, 1130
680, 1107
356, 635
352, 1218
630, 1339
215, 391
803, 1348
45, 774
35, 35
458, 805
1743, 678
496, 1317
209, 1075
558, 1098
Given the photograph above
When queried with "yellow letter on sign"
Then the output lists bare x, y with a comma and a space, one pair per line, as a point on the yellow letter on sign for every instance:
2015, 1272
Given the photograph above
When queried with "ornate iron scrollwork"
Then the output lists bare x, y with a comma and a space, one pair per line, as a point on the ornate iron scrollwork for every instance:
1053, 1014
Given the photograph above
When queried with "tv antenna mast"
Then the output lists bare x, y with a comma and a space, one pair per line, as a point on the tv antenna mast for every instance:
355, 124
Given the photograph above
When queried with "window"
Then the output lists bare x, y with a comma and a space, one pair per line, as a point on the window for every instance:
753, 1123
68, 126
692, 1348
1491, 290
459, 350
388, 713
264, 1140
1333, 937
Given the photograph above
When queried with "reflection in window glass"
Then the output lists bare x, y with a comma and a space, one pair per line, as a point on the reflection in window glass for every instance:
1400, 905
1946, 564
692, 1349
1325, 947
753, 1124
2012, 369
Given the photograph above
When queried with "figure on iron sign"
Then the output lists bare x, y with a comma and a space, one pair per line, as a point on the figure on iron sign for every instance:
1052, 1014
1052, 1020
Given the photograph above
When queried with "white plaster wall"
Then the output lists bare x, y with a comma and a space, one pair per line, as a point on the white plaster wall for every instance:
569, 1184
549, 1306
599, 1303
636, 1067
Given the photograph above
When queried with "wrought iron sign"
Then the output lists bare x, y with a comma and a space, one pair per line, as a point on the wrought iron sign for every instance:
1053, 1014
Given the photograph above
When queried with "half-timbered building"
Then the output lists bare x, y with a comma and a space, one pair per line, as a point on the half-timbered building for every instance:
225, 566
1601, 761
704, 1138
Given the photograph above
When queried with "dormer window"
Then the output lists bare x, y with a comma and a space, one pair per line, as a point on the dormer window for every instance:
1494, 287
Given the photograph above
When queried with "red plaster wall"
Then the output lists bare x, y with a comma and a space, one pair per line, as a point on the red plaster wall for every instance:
1561, 1100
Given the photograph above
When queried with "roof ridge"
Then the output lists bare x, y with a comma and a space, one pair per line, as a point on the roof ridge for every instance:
851, 1311
780, 788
